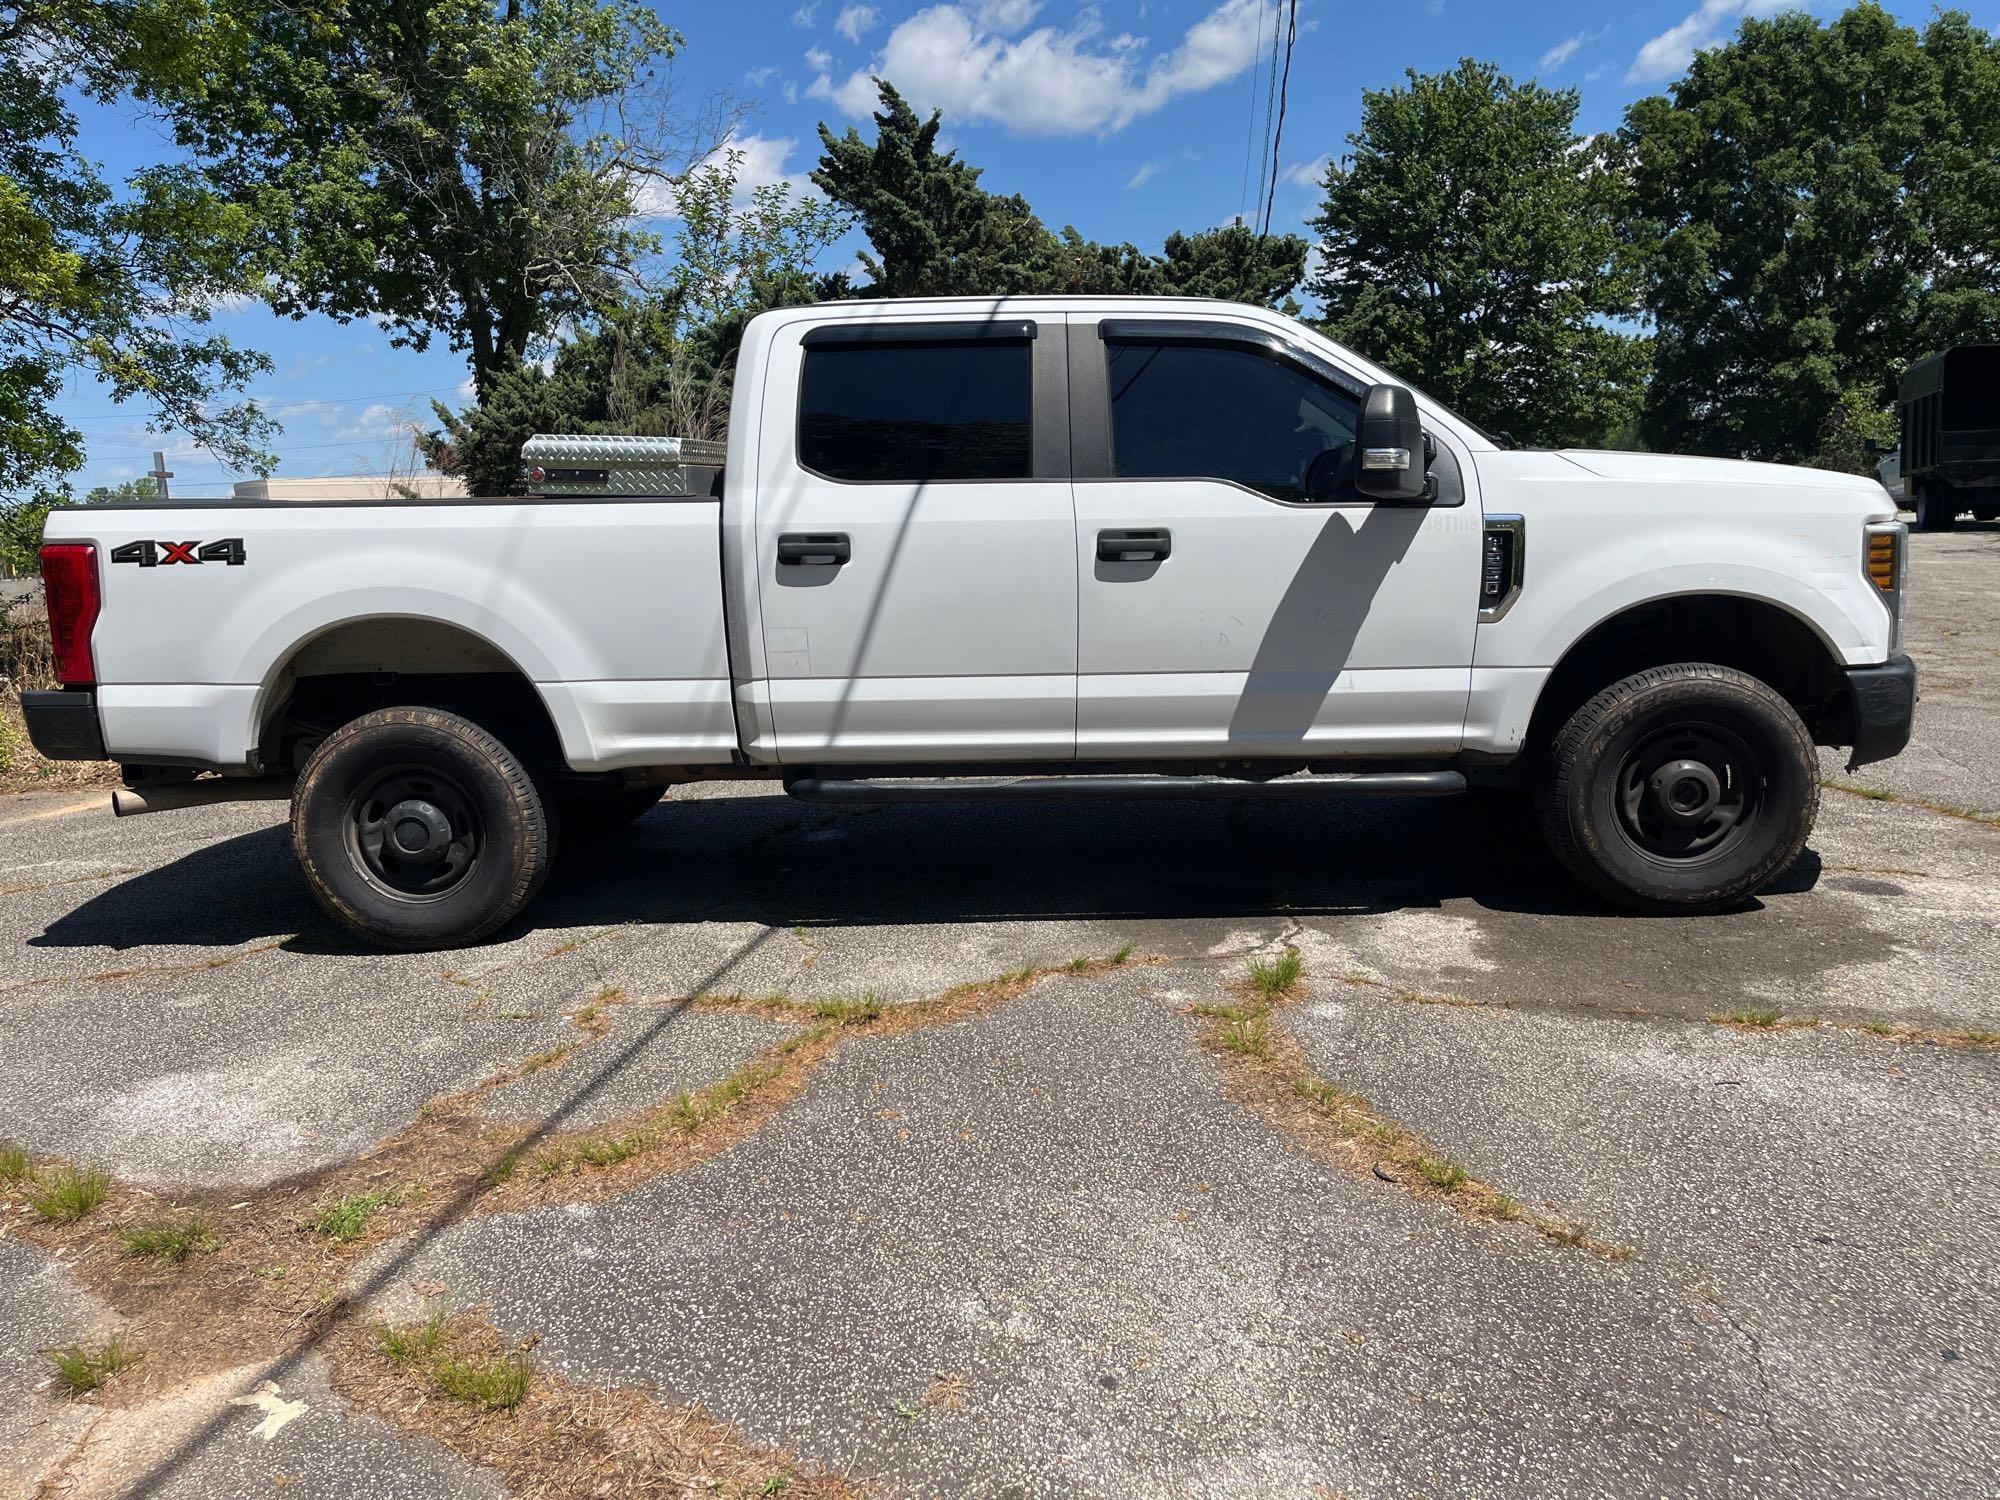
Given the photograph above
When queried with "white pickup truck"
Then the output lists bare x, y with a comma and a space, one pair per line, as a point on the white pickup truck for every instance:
1016, 548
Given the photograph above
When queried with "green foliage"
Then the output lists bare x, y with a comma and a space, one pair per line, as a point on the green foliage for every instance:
115, 285
1816, 206
450, 167
173, 1240
933, 231
132, 491
1470, 244
81, 1369
345, 1218
62, 1195
498, 1384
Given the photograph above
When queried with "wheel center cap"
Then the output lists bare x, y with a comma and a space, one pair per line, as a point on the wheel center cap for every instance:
417, 830
1685, 791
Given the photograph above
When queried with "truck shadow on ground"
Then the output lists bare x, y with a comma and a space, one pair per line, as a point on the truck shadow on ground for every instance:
768, 860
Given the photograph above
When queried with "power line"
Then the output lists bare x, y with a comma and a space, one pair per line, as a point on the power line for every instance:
1270, 88
1250, 129
1278, 135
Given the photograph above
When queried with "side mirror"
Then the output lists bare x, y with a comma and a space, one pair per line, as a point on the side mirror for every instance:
1393, 461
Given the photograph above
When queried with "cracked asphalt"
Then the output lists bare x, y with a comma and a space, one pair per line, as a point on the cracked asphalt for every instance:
1125, 1282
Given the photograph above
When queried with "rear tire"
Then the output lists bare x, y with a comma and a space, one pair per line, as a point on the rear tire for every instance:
1936, 507
416, 828
1681, 789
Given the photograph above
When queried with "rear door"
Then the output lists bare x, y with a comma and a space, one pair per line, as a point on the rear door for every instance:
1278, 612
916, 543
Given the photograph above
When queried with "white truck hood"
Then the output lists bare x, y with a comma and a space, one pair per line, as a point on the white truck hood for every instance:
1674, 468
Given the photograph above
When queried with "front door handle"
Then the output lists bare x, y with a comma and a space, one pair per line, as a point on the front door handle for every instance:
1154, 544
813, 549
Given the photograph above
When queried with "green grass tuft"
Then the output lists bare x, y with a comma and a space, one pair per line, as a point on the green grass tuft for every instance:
1122, 954
1442, 1173
854, 1012
14, 1163
81, 1370
1748, 1016
1275, 976
63, 1195
1250, 1036
346, 1218
412, 1341
173, 1241
495, 1384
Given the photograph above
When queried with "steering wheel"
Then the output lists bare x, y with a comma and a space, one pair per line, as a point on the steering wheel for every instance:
1328, 470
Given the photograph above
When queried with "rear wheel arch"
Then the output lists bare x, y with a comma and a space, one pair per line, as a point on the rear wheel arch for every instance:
358, 666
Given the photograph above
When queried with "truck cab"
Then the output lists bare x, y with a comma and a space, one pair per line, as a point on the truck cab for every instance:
1007, 548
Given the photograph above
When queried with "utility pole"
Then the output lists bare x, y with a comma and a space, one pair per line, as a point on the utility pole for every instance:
161, 473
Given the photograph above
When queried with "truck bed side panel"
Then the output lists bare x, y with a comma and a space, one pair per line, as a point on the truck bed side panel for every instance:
612, 609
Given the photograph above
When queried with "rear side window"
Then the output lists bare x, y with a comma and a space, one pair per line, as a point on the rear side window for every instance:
913, 412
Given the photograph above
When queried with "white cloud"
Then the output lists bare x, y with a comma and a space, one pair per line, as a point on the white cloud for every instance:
1146, 173
854, 20
967, 59
805, 15
1306, 173
818, 59
1668, 54
1561, 52
380, 420
761, 161
758, 77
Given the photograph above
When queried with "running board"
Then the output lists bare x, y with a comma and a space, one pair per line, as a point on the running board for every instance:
1080, 788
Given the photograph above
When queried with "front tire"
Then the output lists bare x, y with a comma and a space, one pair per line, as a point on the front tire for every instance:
416, 828
1681, 789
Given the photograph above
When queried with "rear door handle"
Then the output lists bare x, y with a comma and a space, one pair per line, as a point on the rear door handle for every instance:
1154, 544
813, 549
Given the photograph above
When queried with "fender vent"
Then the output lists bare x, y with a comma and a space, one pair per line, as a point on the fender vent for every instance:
1503, 561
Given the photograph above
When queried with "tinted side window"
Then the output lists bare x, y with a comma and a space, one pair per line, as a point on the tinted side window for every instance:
1206, 411
915, 411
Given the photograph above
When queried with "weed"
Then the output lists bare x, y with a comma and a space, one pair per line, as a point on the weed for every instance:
345, 1218
547, 1059
846, 1012
1250, 1036
402, 1345
65, 1194
1210, 1010
610, 1152
1274, 977
776, 1484
1122, 954
173, 1241
1442, 1173
1746, 1017
496, 1384
502, 1169
82, 1370
14, 1163
1880, 1028
1077, 965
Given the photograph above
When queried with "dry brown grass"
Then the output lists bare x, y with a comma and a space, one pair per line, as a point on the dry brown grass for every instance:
560, 1438
26, 665
1274, 1081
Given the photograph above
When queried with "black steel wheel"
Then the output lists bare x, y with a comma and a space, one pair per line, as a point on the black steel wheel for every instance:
1680, 789
417, 828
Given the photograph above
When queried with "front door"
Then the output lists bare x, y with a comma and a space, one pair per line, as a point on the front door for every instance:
916, 544
1282, 614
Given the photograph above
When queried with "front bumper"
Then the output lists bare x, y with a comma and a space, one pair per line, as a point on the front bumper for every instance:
1885, 699
64, 725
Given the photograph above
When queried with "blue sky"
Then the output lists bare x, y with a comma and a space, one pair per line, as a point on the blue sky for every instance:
1126, 118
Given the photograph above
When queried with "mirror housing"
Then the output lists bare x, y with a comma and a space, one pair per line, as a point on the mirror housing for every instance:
1392, 458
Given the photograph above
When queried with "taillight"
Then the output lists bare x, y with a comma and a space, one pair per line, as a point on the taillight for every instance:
69, 581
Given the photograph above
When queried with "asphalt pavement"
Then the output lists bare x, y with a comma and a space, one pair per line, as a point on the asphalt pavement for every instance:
1042, 1247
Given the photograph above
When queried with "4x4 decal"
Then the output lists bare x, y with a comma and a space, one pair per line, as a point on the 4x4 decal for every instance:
160, 554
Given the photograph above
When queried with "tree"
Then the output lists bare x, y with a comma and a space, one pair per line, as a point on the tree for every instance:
139, 490
1470, 241
451, 168
1816, 206
116, 286
933, 231
660, 364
